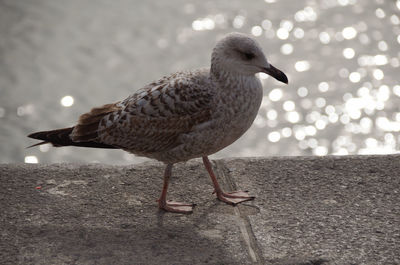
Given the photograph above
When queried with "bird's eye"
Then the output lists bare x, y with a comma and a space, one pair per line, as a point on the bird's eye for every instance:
248, 56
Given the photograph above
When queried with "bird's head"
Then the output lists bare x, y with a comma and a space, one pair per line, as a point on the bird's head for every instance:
240, 54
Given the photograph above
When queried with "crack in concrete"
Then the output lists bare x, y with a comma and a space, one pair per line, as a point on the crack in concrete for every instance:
244, 224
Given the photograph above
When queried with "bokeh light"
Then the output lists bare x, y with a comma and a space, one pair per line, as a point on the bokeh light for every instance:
302, 66
67, 101
31, 160
341, 57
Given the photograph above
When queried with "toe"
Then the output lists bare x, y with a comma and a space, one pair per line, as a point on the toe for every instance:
175, 203
238, 194
235, 197
235, 201
177, 207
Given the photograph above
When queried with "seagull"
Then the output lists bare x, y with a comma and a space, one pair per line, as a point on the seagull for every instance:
185, 115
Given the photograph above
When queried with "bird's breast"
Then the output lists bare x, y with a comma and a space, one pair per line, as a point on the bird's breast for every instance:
235, 110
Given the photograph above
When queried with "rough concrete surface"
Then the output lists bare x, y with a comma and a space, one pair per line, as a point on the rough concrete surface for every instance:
308, 210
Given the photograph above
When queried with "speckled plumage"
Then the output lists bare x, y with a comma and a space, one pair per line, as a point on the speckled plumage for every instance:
182, 116
179, 117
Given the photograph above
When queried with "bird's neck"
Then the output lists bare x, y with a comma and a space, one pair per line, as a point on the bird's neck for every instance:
228, 79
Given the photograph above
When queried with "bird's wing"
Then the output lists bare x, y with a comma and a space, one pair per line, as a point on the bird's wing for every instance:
152, 119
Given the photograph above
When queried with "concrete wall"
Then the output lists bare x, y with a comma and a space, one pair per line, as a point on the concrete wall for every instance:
308, 210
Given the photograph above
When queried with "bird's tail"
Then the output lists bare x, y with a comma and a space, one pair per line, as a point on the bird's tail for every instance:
61, 137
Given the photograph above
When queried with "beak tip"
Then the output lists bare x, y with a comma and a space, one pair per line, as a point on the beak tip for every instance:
282, 77
285, 80
277, 74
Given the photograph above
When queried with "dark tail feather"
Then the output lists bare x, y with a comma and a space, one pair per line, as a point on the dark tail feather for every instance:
44, 142
61, 137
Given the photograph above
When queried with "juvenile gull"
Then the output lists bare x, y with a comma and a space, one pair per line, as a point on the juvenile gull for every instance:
181, 116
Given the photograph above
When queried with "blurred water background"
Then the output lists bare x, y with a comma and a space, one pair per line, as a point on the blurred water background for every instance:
60, 58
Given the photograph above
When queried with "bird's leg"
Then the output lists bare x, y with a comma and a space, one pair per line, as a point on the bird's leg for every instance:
172, 206
234, 197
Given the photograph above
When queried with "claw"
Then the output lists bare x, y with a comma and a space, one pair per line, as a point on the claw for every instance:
177, 207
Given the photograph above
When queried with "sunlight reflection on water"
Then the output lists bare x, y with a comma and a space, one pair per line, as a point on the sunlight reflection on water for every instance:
341, 57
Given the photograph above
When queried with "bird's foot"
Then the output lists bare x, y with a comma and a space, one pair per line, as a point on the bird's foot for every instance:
234, 197
176, 207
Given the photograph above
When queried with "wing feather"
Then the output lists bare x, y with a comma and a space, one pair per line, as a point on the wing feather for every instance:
88, 123
153, 118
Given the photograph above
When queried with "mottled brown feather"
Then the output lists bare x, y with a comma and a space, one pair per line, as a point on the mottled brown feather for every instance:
154, 117
88, 123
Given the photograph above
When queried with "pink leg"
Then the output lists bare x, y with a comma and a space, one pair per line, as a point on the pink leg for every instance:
172, 206
234, 197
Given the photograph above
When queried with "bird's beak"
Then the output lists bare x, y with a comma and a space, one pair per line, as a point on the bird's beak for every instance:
275, 73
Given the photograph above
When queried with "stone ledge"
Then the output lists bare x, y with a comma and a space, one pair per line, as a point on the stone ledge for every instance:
308, 210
